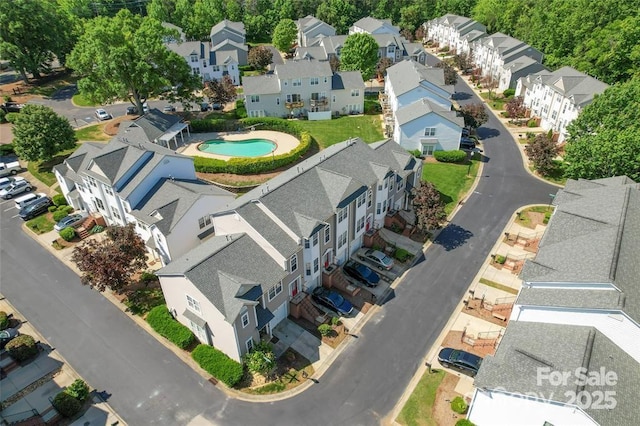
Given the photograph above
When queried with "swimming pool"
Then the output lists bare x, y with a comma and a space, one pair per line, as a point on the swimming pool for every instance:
243, 148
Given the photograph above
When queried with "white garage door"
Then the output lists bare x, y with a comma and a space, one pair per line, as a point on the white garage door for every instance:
279, 314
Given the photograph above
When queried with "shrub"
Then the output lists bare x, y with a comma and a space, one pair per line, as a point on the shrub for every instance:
58, 215
2, 116
7, 98
445, 49
325, 329
241, 111
457, 156
68, 233
78, 389
59, 200
148, 277
11, 116
458, 405
4, 320
211, 125
335, 320
52, 209
505, 114
416, 153
163, 323
465, 422
97, 229
402, 255
261, 359
7, 148
22, 347
532, 123
218, 364
547, 216
68, 209
500, 259
66, 405
509, 93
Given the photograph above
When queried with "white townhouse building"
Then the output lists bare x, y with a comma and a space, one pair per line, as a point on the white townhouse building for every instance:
133, 180
455, 32
418, 109
392, 46
304, 87
369, 25
558, 97
220, 56
311, 30
505, 59
275, 242
577, 315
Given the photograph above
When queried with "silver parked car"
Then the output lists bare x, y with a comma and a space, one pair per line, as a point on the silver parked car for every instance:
17, 187
378, 258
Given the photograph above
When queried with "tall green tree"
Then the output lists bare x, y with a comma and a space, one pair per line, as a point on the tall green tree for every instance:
338, 13
39, 133
360, 53
162, 10
32, 34
124, 58
284, 35
206, 14
603, 140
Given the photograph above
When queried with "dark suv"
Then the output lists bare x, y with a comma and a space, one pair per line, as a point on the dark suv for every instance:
361, 273
35, 208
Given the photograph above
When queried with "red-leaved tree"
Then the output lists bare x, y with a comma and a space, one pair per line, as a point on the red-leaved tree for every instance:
429, 207
475, 115
516, 108
112, 262
541, 151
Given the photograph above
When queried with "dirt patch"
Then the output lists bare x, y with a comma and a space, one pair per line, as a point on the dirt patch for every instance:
442, 412
337, 335
112, 127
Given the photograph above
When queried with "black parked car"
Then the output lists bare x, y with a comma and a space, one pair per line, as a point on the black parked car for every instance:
35, 208
131, 110
460, 360
361, 273
332, 300
11, 107
6, 335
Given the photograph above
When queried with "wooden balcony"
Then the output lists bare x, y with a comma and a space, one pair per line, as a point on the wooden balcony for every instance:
322, 101
293, 105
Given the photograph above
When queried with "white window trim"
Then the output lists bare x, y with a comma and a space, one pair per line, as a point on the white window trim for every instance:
193, 304
242, 319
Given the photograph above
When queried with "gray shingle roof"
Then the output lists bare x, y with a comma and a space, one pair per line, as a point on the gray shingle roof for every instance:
156, 123
570, 82
568, 298
423, 107
303, 69
266, 84
278, 238
237, 27
528, 346
347, 80
370, 24
227, 269
171, 199
311, 52
407, 75
593, 238
187, 48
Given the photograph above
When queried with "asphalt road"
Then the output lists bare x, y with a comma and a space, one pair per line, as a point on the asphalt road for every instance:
149, 385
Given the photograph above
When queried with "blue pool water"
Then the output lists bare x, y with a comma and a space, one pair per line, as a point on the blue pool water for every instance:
242, 148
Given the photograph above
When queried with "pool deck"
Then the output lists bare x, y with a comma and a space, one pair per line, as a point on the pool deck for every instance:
284, 142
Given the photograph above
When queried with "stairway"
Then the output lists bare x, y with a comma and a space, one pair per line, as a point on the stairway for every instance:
84, 230
311, 313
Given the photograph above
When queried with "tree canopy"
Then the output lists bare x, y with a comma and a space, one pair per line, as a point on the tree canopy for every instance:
542, 150
260, 57
110, 263
124, 58
39, 133
360, 53
430, 213
603, 140
32, 34
284, 34
475, 115
220, 91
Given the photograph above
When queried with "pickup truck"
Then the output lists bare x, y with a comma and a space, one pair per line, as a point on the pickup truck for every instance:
9, 168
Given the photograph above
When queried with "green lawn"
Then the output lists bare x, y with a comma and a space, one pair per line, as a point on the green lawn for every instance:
79, 100
495, 101
498, 286
417, 410
43, 170
92, 133
451, 179
329, 132
40, 224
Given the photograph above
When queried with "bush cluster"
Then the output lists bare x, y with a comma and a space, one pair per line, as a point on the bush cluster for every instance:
59, 200
6, 149
509, 93
241, 110
459, 405
500, 259
68, 233
4, 320
532, 123
244, 166
78, 389
261, 359
218, 364
457, 156
325, 329
58, 215
163, 323
22, 348
402, 255
66, 405
212, 125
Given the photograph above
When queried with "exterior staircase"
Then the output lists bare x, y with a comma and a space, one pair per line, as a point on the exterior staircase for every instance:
84, 230
311, 313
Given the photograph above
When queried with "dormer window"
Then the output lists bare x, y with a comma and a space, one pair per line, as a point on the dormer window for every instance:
194, 57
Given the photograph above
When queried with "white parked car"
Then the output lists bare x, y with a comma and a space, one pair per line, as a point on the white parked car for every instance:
102, 115
377, 258
17, 187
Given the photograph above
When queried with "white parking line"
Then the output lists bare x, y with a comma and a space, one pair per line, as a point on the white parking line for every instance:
10, 208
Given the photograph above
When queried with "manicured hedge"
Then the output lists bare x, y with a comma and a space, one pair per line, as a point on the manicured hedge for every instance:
22, 348
241, 110
508, 93
163, 323
212, 125
4, 320
6, 149
66, 405
59, 200
68, 233
218, 364
457, 156
58, 215
244, 166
